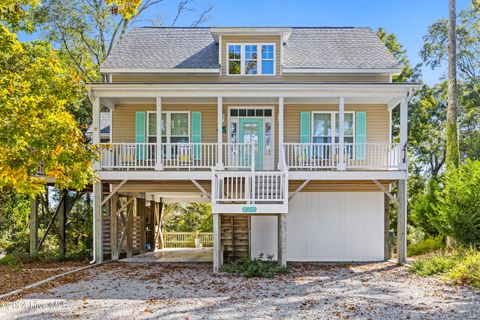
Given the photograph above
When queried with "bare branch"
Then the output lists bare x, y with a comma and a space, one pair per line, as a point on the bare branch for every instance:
182, 7
203, 17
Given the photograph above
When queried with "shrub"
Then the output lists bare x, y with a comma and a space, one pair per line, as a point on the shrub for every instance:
460, 267
436, 264
424, 208
11, 261
257, 267
427, 245
467, 272
459, 206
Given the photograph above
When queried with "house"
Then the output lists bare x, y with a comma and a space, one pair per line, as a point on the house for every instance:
287, 132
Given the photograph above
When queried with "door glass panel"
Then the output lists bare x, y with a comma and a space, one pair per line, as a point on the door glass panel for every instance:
268, 138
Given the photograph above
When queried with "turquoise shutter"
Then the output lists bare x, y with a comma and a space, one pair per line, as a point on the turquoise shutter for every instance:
196, 130
361, 134
305, 133
140, 133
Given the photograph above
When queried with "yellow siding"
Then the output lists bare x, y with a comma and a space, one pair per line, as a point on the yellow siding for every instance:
123, 119
377, 120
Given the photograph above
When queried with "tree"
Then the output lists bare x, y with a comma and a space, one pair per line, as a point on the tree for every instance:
453, 153
87, 31
36, 129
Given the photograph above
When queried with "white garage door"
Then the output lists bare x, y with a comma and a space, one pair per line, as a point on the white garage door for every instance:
336, 226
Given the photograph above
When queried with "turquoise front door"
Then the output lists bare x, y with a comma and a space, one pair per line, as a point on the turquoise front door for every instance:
251, 131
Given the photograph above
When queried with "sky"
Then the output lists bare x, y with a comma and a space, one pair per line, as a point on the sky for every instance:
407, 19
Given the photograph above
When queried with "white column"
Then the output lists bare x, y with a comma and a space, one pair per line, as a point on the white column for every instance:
402, 222
96, 127
219, 132
404, 131
159, 163
341, 133
97, 222
280, 131
282, 239
217, 259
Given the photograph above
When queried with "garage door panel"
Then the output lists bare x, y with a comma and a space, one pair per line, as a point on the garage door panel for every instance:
335, 226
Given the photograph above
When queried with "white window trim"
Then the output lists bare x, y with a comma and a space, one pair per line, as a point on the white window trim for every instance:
259, 59
169, 125
333, 124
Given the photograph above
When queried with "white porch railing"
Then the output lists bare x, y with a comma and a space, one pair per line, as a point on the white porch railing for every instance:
189, 155
250, 187
371, 156
144, 155
128, 156
238, 155
186, 239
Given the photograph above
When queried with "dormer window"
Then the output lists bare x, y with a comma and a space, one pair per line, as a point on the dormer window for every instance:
251, 59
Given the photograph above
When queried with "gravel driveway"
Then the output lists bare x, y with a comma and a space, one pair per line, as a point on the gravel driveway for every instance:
192, 291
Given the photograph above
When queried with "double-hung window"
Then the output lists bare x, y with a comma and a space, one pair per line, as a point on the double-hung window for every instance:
251, 59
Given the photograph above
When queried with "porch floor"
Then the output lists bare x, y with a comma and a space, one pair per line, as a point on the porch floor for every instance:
174, 255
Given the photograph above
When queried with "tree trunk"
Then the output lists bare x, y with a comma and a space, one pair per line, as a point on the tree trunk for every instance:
453, 153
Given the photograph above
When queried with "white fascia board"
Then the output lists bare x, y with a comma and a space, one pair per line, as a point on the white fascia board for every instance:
154, 175
347, 175
251, 31
393, 71
152, 70
275, 90
261, 209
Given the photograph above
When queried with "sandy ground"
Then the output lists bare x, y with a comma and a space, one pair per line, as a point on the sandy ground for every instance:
192, 291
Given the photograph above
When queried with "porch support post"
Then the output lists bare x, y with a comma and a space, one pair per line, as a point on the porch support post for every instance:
280, 130
96, 127
403, 132
114, 226
217, 259
159, 162
341, 134
402, 222
141, 215
219, 132
97, 222
33, 222
129, 228
282, 240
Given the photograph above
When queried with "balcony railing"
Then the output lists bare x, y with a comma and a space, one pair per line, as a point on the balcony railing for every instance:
190, 156
250, 187
370, 156
241, 156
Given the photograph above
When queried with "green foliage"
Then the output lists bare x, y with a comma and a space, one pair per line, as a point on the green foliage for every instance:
435, 264
10, 260
459, 204
425, 246
35, 87
467, 271
188, 217
460, 267
255, 268
424, 211
14, 209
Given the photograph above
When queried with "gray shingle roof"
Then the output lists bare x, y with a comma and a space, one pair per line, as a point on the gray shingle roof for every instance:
337, 48
317, 48
165, 48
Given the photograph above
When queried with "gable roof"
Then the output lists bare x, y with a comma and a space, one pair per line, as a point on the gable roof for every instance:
178, 49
